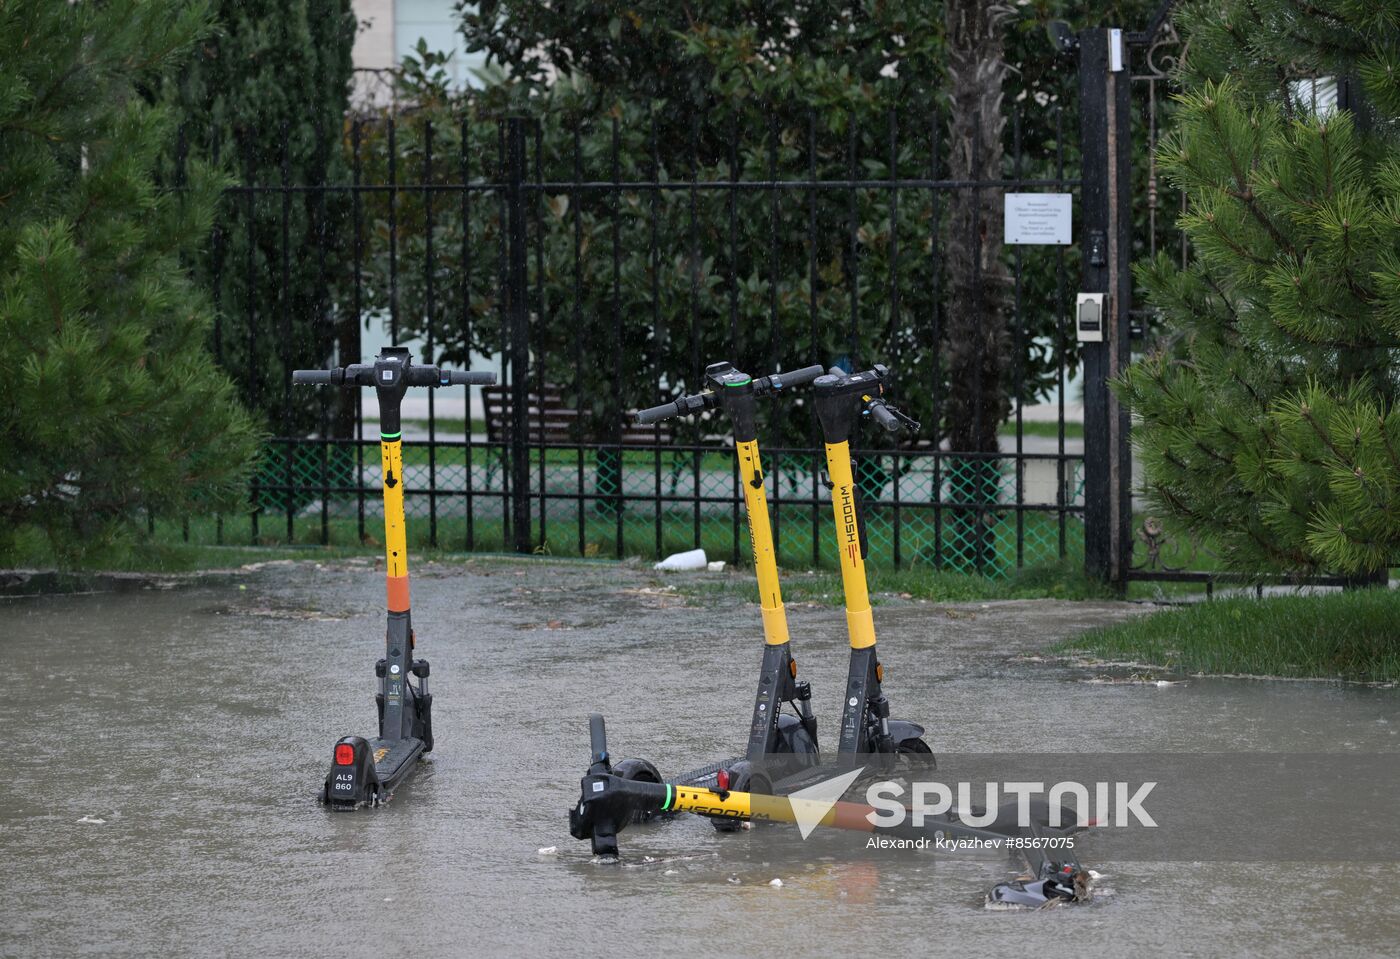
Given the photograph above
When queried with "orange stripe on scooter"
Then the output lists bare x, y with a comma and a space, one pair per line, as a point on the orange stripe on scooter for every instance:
850, 815
398, 593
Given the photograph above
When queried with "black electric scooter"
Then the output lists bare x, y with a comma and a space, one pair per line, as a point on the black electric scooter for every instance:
365, 772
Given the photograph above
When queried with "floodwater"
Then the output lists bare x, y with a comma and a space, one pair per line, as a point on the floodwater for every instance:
196, 723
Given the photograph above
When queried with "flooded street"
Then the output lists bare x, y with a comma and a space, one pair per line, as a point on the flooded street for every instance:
192, 726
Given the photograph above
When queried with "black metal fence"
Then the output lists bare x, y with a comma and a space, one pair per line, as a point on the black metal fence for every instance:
599, 263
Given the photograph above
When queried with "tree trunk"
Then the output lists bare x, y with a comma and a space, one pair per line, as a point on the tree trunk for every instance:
978, 338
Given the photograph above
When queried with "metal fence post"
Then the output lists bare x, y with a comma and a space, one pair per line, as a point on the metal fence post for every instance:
517, 291
1106, 241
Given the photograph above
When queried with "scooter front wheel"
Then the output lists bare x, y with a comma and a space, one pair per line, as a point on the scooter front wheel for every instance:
915, 753
639, 770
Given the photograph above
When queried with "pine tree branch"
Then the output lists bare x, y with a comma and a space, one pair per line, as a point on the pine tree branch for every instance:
1234, 247
1247, 193
1305, 411
1249, 388
1378, 502
1389, 447
1225, 300
1343, 28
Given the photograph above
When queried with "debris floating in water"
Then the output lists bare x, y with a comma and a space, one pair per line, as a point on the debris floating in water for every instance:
93, 821
1135, 679
548, 850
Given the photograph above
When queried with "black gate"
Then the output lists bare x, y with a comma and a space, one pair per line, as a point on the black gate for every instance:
598, 262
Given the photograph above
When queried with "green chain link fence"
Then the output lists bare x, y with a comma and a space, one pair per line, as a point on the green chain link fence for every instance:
975, 515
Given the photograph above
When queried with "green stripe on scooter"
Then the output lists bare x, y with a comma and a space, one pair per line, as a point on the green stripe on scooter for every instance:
667, 804
390, 436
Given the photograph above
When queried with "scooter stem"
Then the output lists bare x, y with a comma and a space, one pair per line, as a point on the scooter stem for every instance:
738, 401
860, 624
391, 382
395, 530
841, 400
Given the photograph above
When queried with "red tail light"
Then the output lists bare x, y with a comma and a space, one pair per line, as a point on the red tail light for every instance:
722, 779
344, 754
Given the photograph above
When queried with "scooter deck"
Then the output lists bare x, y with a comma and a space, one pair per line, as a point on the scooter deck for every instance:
705, 776
395, 759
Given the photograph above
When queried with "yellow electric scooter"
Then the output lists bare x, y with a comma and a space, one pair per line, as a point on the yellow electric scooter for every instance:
781, 746
842, 400
608, 803
785, 739
365, 772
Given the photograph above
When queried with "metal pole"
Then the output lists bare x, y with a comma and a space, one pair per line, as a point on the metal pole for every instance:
517, 290
1093, 129
1105, 98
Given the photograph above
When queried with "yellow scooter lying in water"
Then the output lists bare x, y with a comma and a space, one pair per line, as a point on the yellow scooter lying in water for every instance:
608, 803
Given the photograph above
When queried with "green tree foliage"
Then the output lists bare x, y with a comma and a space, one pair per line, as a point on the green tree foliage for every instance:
1269, 425
703, 93
265, 96
109, 399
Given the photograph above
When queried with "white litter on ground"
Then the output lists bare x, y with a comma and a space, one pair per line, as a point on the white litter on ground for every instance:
689, 560
716, 567
776, 882
93, 821
548, 850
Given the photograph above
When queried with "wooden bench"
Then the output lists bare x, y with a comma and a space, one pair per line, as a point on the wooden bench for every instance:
552, 421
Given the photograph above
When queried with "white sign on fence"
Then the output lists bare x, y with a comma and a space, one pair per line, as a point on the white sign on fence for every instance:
1038, 218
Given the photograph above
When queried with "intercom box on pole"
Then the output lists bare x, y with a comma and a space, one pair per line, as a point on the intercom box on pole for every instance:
1090, 314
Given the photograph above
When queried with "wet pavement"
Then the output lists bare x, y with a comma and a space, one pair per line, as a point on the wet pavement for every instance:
190, 727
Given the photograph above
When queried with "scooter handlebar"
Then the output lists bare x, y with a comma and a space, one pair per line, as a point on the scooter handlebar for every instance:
686, 405
891, 420
881, 414
469, 378
597, 736
362, 374
781, 381
656, 414
683, 406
